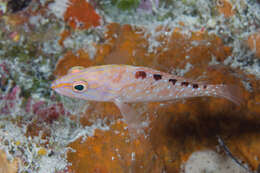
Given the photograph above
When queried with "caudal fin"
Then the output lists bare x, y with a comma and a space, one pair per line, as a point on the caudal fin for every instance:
230, 92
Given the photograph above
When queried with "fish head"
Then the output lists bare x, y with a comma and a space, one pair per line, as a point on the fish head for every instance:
82, 83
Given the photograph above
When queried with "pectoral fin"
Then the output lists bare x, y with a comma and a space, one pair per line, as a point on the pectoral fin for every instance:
131, 117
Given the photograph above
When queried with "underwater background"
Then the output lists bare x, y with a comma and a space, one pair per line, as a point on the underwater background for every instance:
216, 41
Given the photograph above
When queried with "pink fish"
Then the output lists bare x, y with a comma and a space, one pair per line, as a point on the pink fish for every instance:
124, 84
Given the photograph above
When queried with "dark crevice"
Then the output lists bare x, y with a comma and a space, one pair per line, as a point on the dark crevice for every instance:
17, 5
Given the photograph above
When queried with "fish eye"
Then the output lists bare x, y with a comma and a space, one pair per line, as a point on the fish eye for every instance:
79, 86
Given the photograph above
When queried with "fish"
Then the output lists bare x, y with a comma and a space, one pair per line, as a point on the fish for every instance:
123, 84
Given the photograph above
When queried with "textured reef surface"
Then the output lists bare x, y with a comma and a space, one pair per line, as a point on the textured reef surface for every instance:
216, 41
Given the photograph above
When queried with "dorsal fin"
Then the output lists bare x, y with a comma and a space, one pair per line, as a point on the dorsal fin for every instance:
75, 69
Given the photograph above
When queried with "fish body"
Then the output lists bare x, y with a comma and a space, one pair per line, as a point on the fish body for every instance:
123, 84
134, 84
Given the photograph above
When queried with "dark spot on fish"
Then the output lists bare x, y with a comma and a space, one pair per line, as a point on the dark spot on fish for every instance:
205, 86
185, 84
140, 74
157, 76
195, 85
173, 81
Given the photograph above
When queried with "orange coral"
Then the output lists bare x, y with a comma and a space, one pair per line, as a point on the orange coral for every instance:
6, 165
225, 7
254, 43
63, 36
198, 49
109, 151
81, 15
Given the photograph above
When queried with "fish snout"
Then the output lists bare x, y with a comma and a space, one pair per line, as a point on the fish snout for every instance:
60, 87
54, 85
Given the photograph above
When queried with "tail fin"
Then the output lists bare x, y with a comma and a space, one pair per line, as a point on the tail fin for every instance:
230, 92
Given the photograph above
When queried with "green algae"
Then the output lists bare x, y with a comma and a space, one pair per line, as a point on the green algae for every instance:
126, 4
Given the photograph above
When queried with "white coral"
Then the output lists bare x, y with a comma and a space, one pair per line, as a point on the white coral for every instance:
59, 7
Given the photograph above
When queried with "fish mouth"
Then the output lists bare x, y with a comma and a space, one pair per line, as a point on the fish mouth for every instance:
57, 88
54, 85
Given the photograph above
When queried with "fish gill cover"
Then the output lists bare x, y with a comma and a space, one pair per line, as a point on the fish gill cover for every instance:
215, 41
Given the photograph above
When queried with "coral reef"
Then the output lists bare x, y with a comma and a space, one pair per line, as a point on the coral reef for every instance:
211, 41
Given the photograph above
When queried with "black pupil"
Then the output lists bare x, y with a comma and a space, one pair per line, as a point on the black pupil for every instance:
79, 87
